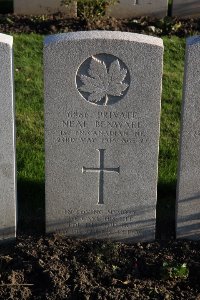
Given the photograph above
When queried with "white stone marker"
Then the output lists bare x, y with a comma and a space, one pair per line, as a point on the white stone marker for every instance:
7, 141
186, 8
188, 191
102, 115
138, 8
37, 7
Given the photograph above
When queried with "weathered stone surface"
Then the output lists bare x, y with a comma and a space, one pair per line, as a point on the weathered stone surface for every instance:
188, 191
37, 7
186, 8
7, 142
138, 8
102, 114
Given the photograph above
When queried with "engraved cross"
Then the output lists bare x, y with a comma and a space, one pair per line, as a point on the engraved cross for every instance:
101, 171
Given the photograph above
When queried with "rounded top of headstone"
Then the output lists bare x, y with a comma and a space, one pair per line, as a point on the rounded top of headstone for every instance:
6, 39
193, 40
98, 34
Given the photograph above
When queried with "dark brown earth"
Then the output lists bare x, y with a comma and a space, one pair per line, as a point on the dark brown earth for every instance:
57, 24
55, 267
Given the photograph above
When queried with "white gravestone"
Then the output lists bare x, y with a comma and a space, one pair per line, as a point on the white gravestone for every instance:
102, 116
186, 8
37, 7
188, 191
7, 142
138, 8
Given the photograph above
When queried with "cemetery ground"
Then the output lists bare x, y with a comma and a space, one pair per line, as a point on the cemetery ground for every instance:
54, 267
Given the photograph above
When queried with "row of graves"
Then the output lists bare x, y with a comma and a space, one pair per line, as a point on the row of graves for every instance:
117, 9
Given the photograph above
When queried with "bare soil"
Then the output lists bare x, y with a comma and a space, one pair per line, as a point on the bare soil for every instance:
56, 267
58, 23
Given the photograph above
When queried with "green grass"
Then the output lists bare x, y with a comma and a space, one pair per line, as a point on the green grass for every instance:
29, 107
170, 132
171, 108
30, 129
30, 124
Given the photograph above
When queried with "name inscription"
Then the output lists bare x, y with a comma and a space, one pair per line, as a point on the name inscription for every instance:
104, 127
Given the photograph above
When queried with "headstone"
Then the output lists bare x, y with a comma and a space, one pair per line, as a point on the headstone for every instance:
37, 7
188, 191
102, 114
186, 8
7, 142
137, 8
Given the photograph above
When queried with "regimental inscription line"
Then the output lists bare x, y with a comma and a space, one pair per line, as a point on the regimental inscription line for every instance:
101, 171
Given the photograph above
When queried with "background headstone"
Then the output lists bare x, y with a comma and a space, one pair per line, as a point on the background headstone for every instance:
102, 114
186, 8
37, 7
7, 141
188, 192
138, 8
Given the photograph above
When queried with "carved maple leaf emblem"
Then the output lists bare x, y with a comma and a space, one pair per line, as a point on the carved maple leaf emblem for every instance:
102, 81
